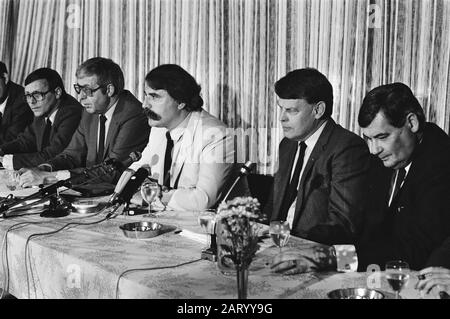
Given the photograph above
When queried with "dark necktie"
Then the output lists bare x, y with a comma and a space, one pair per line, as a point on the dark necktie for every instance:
401, 173
292, 190
101, 139
168, 160
46, 135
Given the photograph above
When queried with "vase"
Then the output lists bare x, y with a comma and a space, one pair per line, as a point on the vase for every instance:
242, 282
225, 264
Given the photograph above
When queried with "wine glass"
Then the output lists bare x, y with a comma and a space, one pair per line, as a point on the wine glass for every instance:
397, 275
207, 221
280, 231
149, 191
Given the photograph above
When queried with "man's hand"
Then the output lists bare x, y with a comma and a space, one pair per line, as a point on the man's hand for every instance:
434, 280
310, 258
33, 177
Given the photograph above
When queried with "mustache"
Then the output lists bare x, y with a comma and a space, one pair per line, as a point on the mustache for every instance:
151, 115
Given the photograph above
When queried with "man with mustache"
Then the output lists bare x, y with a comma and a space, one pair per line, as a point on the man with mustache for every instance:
414, 218
112, 126
189, 152
15, 115
56, 116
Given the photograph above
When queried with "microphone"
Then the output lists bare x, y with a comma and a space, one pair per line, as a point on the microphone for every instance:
244, 171
123, 181
106, 167
132, 186
115, 164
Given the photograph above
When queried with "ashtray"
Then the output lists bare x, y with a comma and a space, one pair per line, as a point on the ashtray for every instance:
355, 293
85, 206
141, 230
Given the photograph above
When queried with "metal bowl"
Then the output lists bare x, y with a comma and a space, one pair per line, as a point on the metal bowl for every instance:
85, 206
141, 230
355, 293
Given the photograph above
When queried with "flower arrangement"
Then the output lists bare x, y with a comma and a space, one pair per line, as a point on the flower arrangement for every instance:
239, 230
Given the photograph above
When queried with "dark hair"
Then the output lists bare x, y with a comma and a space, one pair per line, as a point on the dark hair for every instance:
51, 76
308, 84
395, 100
107, 71
180, 85
3, 68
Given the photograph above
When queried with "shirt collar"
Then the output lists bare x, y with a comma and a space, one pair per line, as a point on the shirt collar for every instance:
52, 115
3, 105
108, 114
178, 131
407, 168
312, 140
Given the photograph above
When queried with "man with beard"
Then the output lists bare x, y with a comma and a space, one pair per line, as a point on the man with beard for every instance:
112, 126
190, 152
57, 115
15, 115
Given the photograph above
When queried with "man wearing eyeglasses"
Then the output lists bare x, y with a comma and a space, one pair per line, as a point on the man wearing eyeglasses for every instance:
112, 126
15, 115
57, 115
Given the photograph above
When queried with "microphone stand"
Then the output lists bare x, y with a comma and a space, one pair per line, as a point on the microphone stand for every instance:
210, 252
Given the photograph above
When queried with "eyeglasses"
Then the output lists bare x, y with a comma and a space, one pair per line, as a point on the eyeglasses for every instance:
86, 90
35, 96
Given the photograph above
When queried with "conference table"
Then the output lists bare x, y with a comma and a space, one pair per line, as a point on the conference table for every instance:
97, 260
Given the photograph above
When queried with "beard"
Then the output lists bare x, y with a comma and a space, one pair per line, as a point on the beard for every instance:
151, 115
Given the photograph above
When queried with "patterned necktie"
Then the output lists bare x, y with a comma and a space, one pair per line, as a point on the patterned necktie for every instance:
168, 160
46, 135
101, 139
292, 190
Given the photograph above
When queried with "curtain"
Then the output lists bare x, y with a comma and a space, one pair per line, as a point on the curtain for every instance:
238, 49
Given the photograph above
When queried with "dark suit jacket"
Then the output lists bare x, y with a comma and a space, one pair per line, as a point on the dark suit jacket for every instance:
418, 220
17, 115
330, 200
128, 132
440, 256
28, 147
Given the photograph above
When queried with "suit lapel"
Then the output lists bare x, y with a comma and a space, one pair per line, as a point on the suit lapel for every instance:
282, 178
92, 139
115, 120
315, 154
185, 148
40, 125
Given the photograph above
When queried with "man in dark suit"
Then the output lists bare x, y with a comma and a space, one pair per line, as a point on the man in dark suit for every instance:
15, 115
57, 115
319, 186
415, 219
113, 125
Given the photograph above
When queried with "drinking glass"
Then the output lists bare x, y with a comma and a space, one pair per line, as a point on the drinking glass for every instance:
280, 232
207, 220
397, 275
149, 191
12, 180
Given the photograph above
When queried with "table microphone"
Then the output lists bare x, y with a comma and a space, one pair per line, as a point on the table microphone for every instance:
115, 164
132, 186
244, 171
123, 181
